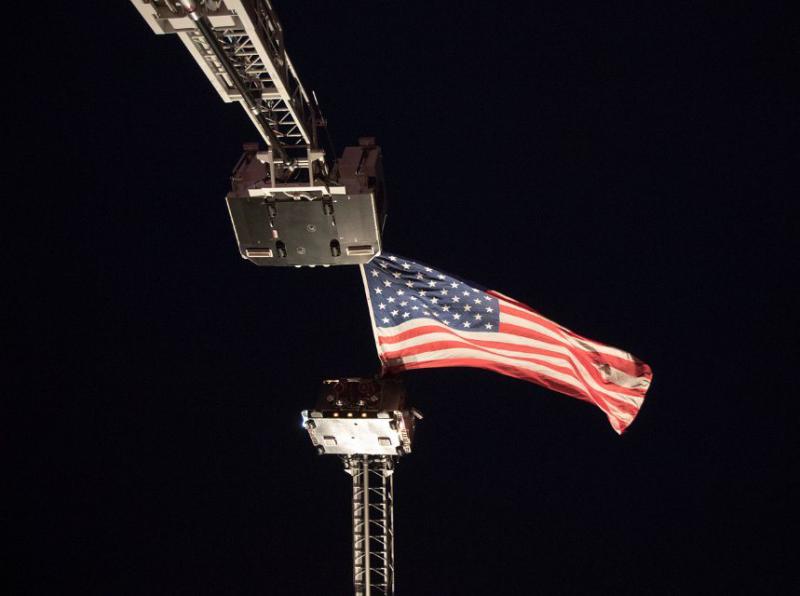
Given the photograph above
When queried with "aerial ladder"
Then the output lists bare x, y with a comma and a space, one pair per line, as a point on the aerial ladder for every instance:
367, 423
291, 203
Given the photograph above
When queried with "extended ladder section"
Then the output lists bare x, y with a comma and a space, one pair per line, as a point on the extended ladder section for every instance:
291, 204
367, 424
373, 523
238, 44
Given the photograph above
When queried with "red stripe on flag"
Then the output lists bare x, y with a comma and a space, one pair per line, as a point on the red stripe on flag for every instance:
505, 369
633, 367
587, 359
434, 346
592, 360
605, 404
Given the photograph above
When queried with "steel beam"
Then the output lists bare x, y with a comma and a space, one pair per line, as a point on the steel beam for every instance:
373, 523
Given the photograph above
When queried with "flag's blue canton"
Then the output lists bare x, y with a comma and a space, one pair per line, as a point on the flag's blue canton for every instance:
402, 290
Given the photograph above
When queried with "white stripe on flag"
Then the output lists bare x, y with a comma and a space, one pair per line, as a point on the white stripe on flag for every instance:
581, 374
468, 353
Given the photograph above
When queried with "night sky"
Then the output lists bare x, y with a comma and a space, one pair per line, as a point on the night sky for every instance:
626, 170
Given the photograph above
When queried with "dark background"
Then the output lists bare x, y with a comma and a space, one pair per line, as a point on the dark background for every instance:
626, 170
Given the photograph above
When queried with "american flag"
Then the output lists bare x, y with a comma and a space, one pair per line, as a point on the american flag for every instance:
425, 318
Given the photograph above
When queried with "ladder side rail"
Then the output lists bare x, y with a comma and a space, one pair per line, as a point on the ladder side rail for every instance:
250, 36
267, 29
